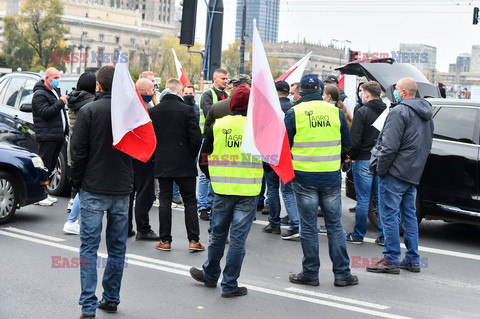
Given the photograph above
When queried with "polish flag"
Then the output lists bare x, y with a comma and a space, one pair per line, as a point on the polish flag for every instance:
341, 82
265, 135
295, 73
132, 128
181, 74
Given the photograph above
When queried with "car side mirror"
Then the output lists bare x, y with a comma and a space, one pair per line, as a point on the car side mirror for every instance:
26, 107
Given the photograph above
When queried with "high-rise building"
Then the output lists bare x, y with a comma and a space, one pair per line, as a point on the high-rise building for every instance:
475, 59
463, 63
157, 11
266, 14
422, 56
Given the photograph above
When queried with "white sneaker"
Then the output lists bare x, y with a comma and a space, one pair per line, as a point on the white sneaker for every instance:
156, 203
72, 228
44, 202
70, 205
52, 199
174, 205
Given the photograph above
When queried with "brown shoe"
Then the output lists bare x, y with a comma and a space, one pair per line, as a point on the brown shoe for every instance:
164, 245
195, 245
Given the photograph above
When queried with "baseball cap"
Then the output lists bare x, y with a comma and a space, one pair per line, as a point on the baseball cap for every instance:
331, 78
240, 79
282, 86
311, 82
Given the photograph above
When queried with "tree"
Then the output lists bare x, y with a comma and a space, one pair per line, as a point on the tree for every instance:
157, 57
35, 33
231, 60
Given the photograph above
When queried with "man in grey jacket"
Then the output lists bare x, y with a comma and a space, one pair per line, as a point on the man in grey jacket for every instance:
399, 158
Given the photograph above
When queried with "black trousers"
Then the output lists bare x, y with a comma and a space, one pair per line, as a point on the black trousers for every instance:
49, 151
187, 187
144, 187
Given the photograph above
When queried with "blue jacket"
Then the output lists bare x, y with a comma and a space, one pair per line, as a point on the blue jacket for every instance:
317, 179
404, 143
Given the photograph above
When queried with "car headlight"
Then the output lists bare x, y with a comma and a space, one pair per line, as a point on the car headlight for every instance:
37, 162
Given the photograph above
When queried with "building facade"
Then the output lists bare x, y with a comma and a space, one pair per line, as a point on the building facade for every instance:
265, 12
475, 59
422, 56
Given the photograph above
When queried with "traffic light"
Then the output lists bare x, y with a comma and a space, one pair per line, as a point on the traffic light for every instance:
475, 15
189, 18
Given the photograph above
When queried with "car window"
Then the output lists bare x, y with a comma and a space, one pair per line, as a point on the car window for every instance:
455, 124
3, 84
27, 93
13, 88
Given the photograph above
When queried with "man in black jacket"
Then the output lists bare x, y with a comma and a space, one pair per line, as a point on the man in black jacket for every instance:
178, 142
104, 176
364, 137
49, 119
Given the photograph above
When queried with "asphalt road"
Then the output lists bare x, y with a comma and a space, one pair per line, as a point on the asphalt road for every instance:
157, 284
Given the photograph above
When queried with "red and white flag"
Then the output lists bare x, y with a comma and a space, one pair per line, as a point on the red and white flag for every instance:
132, 127
182, 77
295, 73
265, 135
341, 82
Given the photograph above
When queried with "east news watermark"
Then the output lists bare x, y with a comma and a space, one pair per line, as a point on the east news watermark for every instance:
99, 262
92, 57
398, 56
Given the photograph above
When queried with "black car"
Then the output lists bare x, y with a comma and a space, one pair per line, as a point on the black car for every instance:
23, 179
16, 93
450, 186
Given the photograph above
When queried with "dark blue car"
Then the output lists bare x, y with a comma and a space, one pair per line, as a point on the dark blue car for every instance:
23, 180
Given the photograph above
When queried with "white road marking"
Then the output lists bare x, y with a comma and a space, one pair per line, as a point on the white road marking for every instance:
337, 298
26, 232
420, 248
168, 267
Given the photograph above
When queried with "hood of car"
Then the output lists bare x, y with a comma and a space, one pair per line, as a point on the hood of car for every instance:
387, 73
13, 148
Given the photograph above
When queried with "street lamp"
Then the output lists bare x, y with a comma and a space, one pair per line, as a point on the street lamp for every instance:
346, 48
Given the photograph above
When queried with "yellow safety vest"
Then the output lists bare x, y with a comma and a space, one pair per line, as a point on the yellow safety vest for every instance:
317, 144
202, 116
233, 172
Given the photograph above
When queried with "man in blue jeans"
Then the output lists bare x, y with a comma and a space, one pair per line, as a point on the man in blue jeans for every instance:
104, 176
318, 134
237, 183
399, 158
364, 136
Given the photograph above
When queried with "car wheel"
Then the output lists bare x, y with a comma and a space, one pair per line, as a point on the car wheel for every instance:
8, 197
59, 181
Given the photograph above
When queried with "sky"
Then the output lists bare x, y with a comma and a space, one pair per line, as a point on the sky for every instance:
369, 25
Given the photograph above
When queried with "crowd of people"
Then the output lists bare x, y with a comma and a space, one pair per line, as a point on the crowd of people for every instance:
191, 134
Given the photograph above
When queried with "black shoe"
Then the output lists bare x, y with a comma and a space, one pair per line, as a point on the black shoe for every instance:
260, 207
270, 229
204, 215
266, 210
241, 291
285, 220
413, 267
177, 200
302, 280
352, 209
349, 281
291, 234
384, 267
131, 233
198, 275
84, 315
109, 307
147, 236
352, 239
380, 241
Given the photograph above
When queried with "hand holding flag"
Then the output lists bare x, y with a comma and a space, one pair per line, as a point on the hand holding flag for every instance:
265, 136
132, 128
